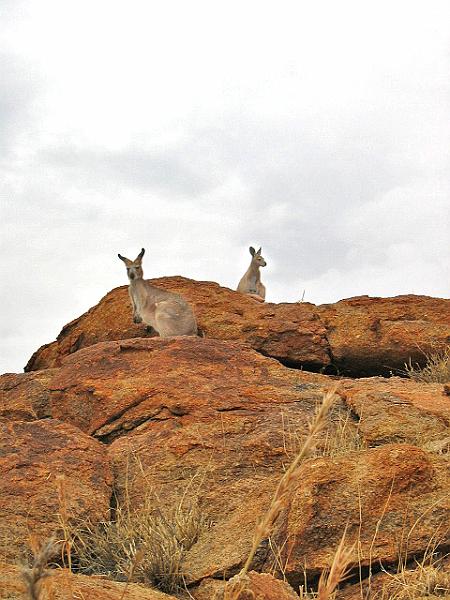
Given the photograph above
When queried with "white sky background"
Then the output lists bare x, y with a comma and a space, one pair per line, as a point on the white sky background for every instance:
319, 130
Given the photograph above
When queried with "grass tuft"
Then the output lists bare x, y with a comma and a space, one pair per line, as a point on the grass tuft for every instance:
145, 545
436, 369
425, 581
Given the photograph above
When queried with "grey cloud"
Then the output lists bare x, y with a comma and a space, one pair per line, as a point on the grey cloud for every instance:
18, 88
180, 171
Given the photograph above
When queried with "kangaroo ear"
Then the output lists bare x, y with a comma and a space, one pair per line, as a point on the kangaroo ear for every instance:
259, 251
252, 250
127, 261
140, 255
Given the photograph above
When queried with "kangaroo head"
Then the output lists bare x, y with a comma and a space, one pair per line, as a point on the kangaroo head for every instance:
134, 267
257, 259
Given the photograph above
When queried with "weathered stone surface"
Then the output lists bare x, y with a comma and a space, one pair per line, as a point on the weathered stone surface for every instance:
259, 586
63, 585
289, 332
427, 579
392, 500
218, 422
208, 589
25, 396
46, 468
399, 410
215, 422
113, 387
373, 336
358, 336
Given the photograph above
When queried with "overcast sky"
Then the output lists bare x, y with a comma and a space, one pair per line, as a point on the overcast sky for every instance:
319, 130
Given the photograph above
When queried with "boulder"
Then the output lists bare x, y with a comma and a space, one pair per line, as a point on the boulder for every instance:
393, 501
25, 396
377, 336
215, 423
60, 584
399, 410
112, 388
48, 468
258, 586
289, 332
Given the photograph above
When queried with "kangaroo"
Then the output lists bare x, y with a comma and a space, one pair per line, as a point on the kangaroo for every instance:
167, 313
251, 281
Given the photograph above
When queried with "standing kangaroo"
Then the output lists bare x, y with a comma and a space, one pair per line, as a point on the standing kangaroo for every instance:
251, 281
167, 313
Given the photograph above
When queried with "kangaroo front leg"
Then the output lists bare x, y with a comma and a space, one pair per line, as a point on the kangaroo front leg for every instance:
136, 316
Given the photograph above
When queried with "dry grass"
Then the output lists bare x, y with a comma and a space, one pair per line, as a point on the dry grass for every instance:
429, 579
329, 581
285, 486
436, 369
330, 578
142, 542
340, 435
145, 545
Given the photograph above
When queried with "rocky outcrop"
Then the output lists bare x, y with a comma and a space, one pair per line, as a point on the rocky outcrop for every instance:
109, 416
111, 388
360, 337
289, 332
47, 468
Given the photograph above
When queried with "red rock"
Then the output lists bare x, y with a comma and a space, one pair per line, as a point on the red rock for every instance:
63, 585
289, 332
46, 468
358, 336
374, 336
25, 396
399, 410
392, 499
114, 387
259, 586
217, 423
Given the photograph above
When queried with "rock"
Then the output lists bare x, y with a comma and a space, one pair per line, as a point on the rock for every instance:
213, 423
208, 589
292, 333
359, 337
25, 396
63, 585
222, 435
46, 468
374, 336
399, 410
258, 586
216, 423
393, 500
429, 579
113, 387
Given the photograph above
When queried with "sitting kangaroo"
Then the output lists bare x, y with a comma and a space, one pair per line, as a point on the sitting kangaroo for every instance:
251, 281
167, 313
